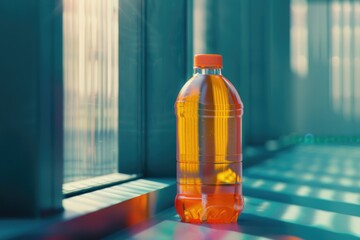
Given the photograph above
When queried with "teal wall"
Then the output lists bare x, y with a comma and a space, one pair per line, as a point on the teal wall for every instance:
31, 107
165, 73
153, 67
253, 37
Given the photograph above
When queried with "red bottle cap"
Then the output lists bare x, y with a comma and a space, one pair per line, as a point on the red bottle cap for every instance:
208, 61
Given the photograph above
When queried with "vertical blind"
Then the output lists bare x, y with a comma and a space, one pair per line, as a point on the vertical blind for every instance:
332, 29
90, 48
345, 57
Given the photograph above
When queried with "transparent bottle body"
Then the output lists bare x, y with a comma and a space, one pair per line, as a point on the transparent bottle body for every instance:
209, 155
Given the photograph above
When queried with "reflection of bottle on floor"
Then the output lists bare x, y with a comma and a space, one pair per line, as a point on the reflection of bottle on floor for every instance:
209, 155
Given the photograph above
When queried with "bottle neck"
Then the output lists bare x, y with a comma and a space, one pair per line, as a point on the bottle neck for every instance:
213, 71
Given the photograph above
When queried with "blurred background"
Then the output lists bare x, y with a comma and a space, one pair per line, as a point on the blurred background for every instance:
88, 89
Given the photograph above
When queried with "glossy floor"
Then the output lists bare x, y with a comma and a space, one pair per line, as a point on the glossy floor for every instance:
306, 192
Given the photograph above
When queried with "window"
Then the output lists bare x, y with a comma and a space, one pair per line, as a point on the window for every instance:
91, 79
114, 128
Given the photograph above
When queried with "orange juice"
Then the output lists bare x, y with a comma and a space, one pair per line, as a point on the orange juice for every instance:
209, 156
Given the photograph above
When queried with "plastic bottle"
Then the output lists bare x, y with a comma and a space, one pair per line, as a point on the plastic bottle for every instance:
209, 156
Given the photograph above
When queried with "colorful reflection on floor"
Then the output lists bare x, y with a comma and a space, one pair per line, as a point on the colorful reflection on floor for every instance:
306, 192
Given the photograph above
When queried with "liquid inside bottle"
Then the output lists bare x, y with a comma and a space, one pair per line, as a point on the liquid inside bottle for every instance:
209, 156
